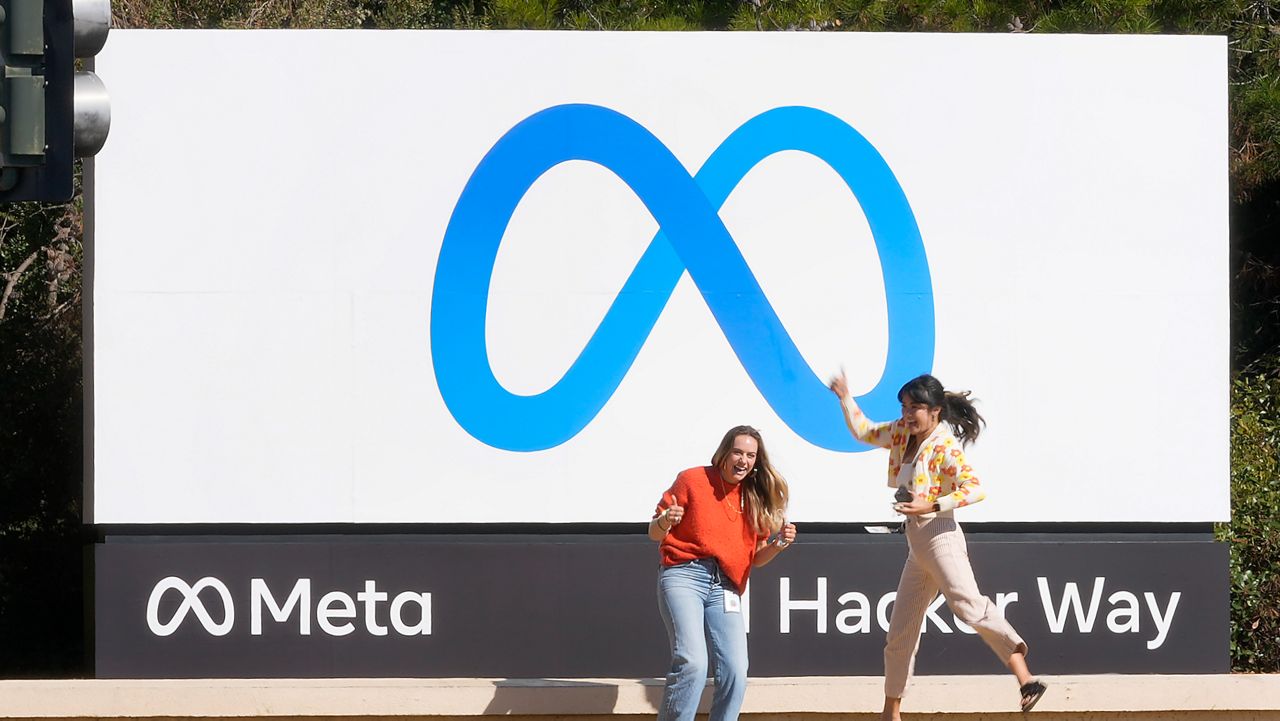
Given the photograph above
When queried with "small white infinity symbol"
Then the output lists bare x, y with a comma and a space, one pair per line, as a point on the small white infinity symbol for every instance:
190, 602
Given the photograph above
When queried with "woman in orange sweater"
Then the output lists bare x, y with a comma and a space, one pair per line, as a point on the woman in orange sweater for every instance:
713, 525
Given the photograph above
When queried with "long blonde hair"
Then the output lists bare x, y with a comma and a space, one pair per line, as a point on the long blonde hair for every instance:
766, 489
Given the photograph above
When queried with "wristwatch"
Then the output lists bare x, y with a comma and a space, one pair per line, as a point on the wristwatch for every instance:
937, 507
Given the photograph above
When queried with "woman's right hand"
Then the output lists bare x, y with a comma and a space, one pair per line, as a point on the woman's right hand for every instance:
839, 385
673, 513
666, 519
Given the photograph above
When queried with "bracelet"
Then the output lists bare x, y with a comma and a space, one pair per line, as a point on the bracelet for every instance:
659, 520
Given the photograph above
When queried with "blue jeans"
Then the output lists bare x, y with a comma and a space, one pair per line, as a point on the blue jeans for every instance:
691, 601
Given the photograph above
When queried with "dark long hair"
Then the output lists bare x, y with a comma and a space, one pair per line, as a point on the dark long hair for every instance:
766, 489
957, 409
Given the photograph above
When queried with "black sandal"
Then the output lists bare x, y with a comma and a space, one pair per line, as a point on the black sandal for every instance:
1031, 693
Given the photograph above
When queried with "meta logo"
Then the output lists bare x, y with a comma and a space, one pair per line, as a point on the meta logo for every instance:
408, 613
692, 238
191, 603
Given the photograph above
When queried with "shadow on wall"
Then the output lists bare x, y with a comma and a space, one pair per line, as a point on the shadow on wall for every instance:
540, 696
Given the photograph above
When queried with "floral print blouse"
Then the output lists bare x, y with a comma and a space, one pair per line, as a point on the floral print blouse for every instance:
941, 474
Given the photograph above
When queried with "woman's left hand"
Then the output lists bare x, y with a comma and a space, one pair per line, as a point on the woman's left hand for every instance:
787, 535
917, 507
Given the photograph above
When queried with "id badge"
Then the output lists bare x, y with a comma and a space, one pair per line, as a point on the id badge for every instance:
732, 602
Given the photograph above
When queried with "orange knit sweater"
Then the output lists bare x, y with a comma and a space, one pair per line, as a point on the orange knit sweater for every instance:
715, 524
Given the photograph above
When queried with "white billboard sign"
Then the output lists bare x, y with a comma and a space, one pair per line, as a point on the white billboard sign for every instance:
438, 277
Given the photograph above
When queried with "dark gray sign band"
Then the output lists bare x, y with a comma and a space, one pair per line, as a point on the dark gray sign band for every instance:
584, 606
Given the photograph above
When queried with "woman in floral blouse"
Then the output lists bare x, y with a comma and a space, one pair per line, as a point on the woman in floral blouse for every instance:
927, 466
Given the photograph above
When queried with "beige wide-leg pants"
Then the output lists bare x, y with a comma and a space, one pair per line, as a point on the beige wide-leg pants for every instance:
938, 561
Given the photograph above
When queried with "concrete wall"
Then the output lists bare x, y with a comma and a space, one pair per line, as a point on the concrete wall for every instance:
1078, 698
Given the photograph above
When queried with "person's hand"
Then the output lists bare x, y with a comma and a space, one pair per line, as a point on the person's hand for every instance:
787, 535
673, 513
839, 385
917, 507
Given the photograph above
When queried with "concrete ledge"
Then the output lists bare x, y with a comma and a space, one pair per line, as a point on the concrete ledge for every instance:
1151, 698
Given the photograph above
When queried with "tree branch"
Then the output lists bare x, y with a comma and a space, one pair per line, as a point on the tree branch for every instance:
14, 276
7, 225
62, 308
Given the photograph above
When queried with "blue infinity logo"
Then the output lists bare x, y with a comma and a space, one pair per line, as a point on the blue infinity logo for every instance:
691, 237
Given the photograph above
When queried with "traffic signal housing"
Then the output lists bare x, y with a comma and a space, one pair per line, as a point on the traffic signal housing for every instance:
50, 114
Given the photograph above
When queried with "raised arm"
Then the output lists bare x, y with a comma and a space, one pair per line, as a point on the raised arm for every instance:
862, 428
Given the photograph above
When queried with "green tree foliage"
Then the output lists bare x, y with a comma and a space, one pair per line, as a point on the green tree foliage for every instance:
1254, 532
1255, 287
40, 255
239, 14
